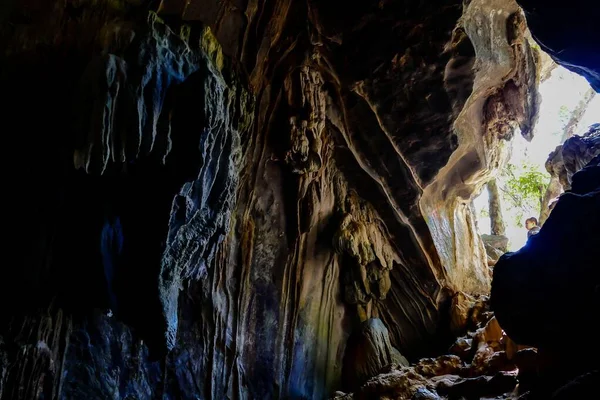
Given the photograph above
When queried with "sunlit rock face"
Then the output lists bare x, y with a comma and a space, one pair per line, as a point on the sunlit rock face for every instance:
503, 99
244, 185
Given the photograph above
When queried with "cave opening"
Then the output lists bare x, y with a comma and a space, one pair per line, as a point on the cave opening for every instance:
527, 185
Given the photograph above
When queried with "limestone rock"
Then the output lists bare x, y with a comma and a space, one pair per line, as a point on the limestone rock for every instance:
444, 365
481, 313
490, 334
460, 312
495, 246
447, 198
368, 351
462, 348
563, 260
578, 151
578, 388
527, 362
367, 255
403, 383
257, 177
425, 394
573, 155
483, 386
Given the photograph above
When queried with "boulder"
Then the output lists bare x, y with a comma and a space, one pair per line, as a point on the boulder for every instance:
460, 312
578, 151
481, 313
462, 348
475, 388
443, 365
544, 293
526, 361
581, 387
495, 242
397, 384
368, 351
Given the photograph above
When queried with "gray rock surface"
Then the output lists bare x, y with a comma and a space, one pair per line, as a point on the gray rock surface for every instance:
368, 351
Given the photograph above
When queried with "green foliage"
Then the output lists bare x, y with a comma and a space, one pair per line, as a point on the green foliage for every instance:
523, 188
564, 114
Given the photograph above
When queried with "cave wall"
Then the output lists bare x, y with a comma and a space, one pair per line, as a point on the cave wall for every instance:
242, 184
504, 101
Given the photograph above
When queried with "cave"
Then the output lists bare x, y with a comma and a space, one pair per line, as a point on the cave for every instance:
244, 199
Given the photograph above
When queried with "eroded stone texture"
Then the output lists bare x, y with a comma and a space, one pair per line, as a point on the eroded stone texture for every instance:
123, 107
577, 152
495, 246
483, 372
460, 312
149, 158
245, 184
506, 68
367, 352
31, 368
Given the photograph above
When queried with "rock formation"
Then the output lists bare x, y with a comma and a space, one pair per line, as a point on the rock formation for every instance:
213, 196
480, 365
495, 246
573, 155
368, 351
564, 161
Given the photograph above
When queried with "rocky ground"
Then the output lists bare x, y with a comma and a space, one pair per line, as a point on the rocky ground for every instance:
483, 363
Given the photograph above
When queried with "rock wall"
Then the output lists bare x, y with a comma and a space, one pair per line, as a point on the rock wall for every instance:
216, 195
504, 100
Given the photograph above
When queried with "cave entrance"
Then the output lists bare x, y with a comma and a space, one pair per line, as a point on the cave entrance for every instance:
569, 106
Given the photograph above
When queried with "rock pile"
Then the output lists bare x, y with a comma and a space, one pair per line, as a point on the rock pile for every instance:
483, 363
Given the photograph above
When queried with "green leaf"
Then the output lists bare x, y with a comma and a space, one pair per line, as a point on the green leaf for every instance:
522, 187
